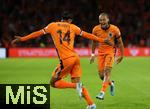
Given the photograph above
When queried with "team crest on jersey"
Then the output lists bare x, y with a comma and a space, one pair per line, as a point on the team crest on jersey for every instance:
110, 34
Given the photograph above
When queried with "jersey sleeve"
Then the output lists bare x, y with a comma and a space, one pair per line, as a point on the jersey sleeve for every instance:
39, 33
48, 28
118, 33
76, 29
87, 35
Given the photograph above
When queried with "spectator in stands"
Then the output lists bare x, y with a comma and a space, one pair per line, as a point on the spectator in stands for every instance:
21, 16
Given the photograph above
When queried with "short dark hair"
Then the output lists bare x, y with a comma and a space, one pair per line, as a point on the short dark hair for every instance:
66, 15
104, 14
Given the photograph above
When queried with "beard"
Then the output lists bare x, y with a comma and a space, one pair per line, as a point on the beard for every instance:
105, 27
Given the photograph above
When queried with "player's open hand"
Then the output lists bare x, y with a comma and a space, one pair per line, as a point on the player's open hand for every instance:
119, 59
17, 39
92, 59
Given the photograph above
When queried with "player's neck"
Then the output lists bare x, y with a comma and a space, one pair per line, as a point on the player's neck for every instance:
107, 27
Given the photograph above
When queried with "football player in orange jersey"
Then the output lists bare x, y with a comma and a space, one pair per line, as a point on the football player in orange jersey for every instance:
63, 34
106, 53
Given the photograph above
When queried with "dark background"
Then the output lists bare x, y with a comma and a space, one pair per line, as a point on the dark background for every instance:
21, 17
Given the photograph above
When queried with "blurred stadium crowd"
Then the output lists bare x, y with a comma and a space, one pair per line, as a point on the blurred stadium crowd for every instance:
21, 17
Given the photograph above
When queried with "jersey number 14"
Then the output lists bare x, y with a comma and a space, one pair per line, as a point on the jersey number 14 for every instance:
65, 38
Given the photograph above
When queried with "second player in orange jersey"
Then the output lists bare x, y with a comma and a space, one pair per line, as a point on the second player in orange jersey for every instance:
106, 53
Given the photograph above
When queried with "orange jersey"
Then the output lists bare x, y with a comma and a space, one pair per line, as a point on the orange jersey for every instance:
63, 35
112, 32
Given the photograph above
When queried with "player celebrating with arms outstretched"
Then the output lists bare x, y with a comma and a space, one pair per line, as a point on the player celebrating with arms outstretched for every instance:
106, 53
63, 34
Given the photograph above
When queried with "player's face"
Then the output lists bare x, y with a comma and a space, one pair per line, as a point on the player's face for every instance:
104, 21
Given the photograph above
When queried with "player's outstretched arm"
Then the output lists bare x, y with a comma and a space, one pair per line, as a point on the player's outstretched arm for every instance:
30, 36
91, 37
121, 47
93, 52
95, 38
